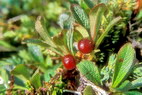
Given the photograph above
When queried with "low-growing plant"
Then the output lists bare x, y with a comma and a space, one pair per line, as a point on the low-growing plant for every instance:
83, 37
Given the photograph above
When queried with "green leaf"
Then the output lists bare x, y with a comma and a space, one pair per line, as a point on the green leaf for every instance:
36, 79
106, 71
90, 3
124, 64
108, 28
41, 30
19, 87
75, 1
2, 89
95, 17
124, 86
82, 31
36, 53
24, 55
88, 91
136, 83
61, 41
21, 72
37, 42
77, 36
132, 93
66, 21
69, 39
137, 70
90, 71
49, 61
43, 44
4, 75
60, 38
50, 72
63, 18
5, 46
80, 16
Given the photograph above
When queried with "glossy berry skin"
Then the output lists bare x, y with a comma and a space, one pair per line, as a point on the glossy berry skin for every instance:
69, 62
85, 46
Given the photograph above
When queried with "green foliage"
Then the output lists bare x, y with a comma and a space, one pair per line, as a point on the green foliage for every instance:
136, 83
36, 79
36, 42
90, 71
80, 16
82, 31
50, 72
6, 46
95, 16
66, 21
34, 61
137, 71
132, 93
35, 51
112, 23
124, 64
106, 71
21, 72
124, 86
69, 40
45, 35
90, 3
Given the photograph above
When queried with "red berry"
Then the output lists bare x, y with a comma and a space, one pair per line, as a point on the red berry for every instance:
69, 62
85, 46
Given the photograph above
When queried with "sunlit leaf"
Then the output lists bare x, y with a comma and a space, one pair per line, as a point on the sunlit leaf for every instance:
124, 64
82, 31
95, 18
77, 36
40, 29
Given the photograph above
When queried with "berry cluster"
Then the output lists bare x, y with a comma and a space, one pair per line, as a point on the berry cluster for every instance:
85, 46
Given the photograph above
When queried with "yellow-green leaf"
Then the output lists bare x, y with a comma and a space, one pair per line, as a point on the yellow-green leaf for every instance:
95, 18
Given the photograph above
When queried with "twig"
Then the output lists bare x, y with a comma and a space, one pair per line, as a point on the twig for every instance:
8, 25
14, 19
55, 58
74, 92
98, 90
